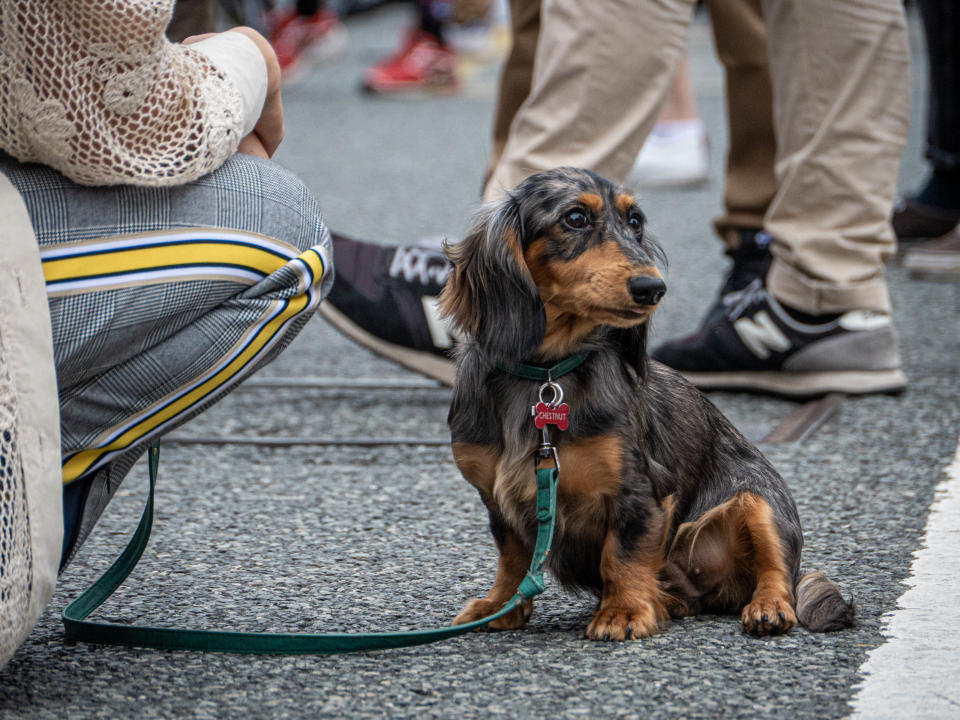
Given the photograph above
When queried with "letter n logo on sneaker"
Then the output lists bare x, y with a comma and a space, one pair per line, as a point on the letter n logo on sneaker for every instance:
761, 335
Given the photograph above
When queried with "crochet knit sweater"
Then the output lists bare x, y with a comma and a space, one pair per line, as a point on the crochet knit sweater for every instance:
94, 89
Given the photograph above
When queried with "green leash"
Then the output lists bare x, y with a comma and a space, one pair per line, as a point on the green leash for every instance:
79, 628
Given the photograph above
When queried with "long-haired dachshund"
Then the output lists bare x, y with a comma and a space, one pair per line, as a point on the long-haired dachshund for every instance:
664, 508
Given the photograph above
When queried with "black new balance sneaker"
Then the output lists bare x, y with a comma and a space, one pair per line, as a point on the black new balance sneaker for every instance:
385, 299
758, 345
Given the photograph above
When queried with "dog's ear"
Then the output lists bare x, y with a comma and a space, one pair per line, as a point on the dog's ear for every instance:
490, 293
632, 346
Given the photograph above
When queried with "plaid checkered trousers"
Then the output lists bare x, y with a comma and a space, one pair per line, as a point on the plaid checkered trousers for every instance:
162, 300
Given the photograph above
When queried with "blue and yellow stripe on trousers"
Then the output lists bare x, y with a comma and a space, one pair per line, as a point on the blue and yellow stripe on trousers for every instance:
197, 254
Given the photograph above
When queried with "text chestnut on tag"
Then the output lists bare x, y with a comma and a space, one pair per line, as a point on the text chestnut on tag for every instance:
544, 415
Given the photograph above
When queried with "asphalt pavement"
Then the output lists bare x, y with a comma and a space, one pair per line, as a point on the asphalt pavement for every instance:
351, 539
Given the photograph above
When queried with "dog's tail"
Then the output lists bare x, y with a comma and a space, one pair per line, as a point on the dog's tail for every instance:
820, 606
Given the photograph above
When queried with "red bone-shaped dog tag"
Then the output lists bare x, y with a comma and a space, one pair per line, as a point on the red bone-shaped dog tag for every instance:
544, 415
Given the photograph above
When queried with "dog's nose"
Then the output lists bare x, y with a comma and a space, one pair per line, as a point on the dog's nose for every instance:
646, 289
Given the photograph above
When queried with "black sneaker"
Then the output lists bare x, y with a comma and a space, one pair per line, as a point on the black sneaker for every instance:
758, 345
385, 299
913, 221
750, 260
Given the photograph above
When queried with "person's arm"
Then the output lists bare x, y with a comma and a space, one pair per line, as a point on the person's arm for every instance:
256, 71
97, 92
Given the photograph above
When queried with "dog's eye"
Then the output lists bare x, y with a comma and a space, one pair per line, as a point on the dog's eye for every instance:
636, 222
576, 219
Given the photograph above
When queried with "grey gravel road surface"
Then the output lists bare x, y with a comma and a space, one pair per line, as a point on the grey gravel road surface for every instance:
313, 539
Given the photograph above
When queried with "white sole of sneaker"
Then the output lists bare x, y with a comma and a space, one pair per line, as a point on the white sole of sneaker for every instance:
413, 92
333, 47
932, 265
850, 382
418, 361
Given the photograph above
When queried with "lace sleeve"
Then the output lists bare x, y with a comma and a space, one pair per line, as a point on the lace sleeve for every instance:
95, 90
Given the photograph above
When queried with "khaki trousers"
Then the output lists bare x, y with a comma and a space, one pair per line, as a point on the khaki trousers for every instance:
596, 73
841, 109
749, 184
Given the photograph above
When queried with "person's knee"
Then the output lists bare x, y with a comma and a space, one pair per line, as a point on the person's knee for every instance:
250, 196
263, 197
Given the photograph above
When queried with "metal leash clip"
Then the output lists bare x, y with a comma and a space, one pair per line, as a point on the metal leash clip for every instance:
546, 413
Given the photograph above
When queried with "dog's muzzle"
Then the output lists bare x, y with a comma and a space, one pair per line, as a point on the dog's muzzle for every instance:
646, 289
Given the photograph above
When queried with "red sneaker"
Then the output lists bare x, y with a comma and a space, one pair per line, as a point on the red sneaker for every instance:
421, 63
302, 41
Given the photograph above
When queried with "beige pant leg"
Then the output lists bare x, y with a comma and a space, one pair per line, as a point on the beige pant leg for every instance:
841, 110
750, 183
600, 74
516, 76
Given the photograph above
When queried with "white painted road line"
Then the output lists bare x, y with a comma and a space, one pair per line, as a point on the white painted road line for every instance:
914, 674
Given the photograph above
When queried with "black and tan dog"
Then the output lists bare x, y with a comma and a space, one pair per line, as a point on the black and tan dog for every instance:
664, 508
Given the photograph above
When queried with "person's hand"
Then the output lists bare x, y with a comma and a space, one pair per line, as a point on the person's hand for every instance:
268, 132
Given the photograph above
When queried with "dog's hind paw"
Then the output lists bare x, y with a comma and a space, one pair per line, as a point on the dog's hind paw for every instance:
624, 624
766, 615
478, 609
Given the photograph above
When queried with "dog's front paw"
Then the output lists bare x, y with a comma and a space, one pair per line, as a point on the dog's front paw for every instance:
478, 608
625, 624
768, 615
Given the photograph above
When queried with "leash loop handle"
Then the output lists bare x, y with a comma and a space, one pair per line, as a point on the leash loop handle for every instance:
78, 628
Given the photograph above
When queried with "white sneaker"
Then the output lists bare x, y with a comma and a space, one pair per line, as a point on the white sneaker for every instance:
677, 154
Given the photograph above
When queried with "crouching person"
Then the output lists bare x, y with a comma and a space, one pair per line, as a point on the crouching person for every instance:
152, 258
